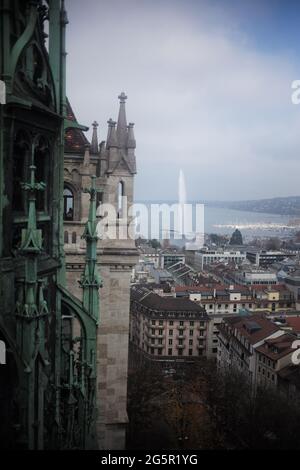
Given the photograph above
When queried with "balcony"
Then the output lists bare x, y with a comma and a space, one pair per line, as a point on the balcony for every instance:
180, 346
180, 336
181, 327
201, 346
201, 328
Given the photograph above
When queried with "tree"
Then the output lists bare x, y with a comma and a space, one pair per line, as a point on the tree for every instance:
273, 243
155, 244
236, 238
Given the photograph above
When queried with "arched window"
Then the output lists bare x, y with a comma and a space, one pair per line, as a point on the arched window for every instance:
68, 204
121, 194
74, 237
66, 237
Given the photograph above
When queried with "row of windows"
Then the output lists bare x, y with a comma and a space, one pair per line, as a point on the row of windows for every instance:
266, 361
171, 323
263, 371
191, 333
171, 353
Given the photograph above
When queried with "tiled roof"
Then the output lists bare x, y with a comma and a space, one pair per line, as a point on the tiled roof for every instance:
282, 344
294, 322
75, 139
168, 304
244, 326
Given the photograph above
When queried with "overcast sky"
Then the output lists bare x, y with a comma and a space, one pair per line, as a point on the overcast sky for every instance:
208, 85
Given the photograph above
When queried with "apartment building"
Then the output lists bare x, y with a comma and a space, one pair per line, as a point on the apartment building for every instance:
219, 299
167, 328
239, 337
272, 356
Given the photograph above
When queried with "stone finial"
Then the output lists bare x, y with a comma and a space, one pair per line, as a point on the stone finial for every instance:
94, 143
122, 97
122, 122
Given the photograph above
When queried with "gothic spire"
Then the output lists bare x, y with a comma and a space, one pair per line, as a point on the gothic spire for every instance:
94, 144
131, 143
90, 279
122, 122
111, 136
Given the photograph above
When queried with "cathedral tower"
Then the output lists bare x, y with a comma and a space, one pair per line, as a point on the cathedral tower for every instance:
113, 163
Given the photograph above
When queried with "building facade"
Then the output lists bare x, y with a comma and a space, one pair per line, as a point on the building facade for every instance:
239, 338
206, 257
113, 164
48, 381
167, 329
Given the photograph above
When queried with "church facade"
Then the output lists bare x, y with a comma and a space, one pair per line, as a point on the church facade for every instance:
113, 164
49, 337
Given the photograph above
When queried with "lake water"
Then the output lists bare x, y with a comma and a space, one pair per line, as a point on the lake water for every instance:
251, 224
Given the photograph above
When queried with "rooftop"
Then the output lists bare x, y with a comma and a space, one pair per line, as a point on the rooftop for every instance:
252, 327
154, 301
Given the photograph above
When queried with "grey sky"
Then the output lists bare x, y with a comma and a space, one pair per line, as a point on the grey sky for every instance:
204, 94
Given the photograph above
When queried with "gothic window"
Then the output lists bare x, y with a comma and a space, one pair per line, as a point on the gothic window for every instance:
68, 204
121, 194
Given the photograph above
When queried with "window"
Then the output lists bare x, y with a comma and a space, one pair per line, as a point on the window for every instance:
161, 322
170, 342
201, 333
191, 323
121, 194
171, 333
180, 352
153, 322
181, 323
152, 350
191, 332
171, 323
74, 237
160, 341
202, 324
170, 351
190, 352
153, 331
66, 237
180, 341
191, 342
68, 204
160, 332
159, 352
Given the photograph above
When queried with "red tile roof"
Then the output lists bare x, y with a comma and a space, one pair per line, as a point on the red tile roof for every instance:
243, 325
294, 323
75, 139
